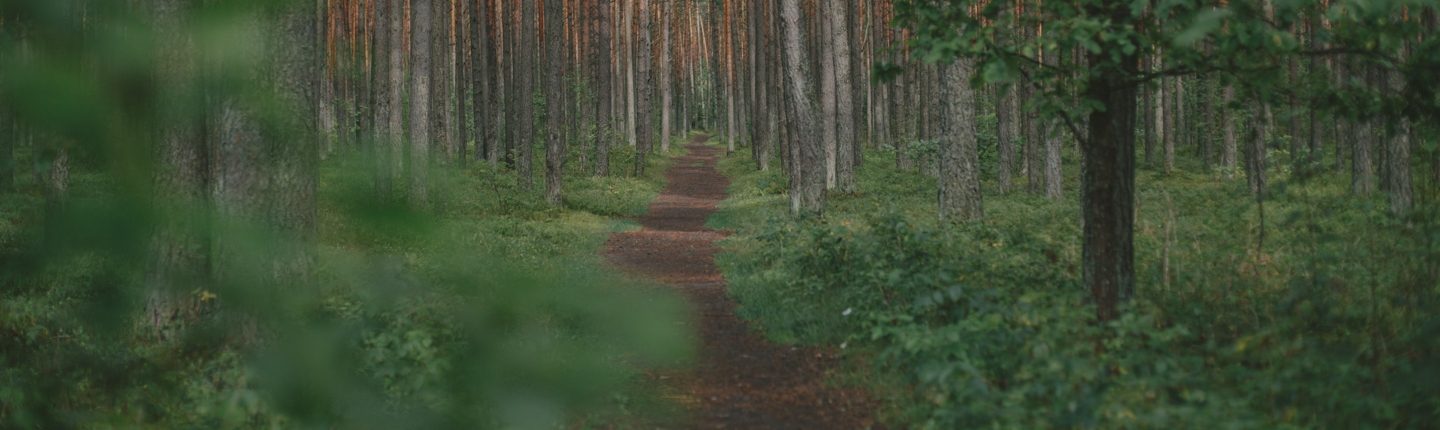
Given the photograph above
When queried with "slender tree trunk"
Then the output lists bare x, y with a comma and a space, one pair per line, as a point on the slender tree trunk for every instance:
807, 192
828, 118
1397, 147
602, 55
555, 86
481, 102
844, 100
380, 148
1255, 150
959, 159
396, 121
666, 108
1172, 135
8, 138
1228, 152
525, 71
645, 125
420, 103
629, 30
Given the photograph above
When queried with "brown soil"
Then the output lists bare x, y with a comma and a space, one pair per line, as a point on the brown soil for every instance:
741, 381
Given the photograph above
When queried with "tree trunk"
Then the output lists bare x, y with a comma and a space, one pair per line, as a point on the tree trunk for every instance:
481, 102
8, 138
525, 92
959, 161
1227, 120
602, 54
420, 103
179, 256
1108, 179
1004, 138
396, 120
807, 192
1397, 147
1255, 150
844, 100
666, 109
630, 55
555, 85
1172, 134
645, 126
829, 120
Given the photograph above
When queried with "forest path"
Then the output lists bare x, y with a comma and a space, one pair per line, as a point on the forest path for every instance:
741, 380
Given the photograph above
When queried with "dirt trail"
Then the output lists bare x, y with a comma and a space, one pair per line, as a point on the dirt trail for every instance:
741, 380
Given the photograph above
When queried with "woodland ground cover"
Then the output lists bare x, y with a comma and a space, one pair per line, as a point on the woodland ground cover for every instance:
493, 309
1327, 316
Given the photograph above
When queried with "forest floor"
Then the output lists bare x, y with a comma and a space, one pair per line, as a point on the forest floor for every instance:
741, 379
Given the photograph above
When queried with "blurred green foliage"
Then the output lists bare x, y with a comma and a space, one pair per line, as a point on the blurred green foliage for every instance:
1332, 323
489, 309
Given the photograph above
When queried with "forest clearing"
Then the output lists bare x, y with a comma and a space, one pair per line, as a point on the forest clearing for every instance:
719, 214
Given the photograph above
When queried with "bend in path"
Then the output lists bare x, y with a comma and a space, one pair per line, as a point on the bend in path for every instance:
741, 380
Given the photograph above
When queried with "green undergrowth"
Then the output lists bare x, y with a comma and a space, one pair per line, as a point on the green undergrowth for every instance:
1325, 317
487, 309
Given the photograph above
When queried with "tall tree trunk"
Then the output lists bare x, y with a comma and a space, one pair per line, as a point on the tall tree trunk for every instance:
1172, 135
959, 159
555, 86
420, 104
844, 99
380, 148
179, 255
8, 138
266, 171
1108, 178
807, 192
1004, 139
1397, 148
828, 118
482, 101
1255, 163
1227, 119
645, 125
629, 30
525, 71
1158, 102
396, 122
666, 109
602, 55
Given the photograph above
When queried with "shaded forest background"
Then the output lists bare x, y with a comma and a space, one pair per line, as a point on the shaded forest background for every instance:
1018, 214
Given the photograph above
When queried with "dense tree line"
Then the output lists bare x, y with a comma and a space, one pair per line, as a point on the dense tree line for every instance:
1328, 87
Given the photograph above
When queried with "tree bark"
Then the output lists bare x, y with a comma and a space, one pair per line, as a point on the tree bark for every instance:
1397, 147
1108, 178
666, 107
555, 69
1227, 120
1255, 163
525, 92
828, 119
807, 192
420, 103
844, 100
179, 254
602, 55
396, 120
959, 159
